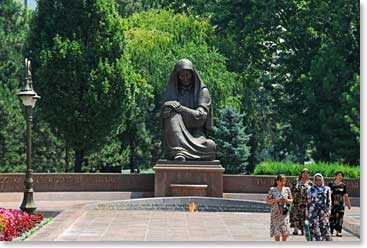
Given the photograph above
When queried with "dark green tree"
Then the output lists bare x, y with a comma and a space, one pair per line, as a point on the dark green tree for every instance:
231, 139
47, 148
12, 146
129, 146
110, 158
12, 34
352, 100
77, 49
318, 61
129, 7
299, 61
133, 133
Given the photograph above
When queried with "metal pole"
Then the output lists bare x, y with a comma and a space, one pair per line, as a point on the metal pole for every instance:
28, 204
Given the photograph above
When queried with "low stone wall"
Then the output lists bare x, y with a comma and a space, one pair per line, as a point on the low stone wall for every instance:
261, 184
53, 182
69, 182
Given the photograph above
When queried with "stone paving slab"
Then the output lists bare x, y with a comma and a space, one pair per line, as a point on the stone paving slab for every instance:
76, 223
120, 225
352, 220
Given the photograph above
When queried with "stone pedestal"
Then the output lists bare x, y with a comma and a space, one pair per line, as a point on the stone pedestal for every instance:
189, 189
189, 178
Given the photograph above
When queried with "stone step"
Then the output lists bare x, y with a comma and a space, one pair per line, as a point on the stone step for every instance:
204, 204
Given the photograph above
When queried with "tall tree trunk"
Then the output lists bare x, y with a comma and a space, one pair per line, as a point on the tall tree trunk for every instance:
253, 149
252, 161
132, 157
322, 154
67, 158
79, 156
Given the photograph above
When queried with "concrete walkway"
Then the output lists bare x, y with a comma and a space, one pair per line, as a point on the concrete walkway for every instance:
98, 225
77, 223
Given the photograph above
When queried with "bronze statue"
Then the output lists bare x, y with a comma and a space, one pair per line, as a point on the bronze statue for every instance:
186, 115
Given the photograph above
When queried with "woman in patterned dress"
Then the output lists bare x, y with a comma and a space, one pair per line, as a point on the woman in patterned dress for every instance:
299, 192
279, 197
318, 209
339, 196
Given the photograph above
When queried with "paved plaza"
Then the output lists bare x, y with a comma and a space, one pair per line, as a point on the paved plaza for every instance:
76, 222
98, 225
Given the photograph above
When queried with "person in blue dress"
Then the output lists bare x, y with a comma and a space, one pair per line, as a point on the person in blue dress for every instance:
318, 209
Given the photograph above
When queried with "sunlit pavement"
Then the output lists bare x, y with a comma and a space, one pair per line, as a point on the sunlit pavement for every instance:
76, 223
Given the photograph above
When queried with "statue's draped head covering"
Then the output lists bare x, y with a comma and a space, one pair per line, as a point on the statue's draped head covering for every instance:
171, 91
184, 64
172, 88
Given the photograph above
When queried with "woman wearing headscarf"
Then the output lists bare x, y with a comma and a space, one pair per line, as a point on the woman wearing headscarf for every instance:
339, 196
299, 192
186, 115
318, 209
280, 197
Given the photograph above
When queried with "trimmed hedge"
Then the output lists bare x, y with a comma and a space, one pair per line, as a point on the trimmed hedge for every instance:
293, 169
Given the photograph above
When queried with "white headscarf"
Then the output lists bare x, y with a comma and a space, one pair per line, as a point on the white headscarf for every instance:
322, 179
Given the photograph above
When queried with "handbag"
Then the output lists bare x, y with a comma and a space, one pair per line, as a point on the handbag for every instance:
284, 209
306, 227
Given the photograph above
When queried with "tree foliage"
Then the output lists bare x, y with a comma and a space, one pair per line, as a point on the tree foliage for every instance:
289, 67
47, 148
155, 40
231, 140
77, 49
158, 38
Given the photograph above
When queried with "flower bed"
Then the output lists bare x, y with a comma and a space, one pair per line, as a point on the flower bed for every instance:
15, 222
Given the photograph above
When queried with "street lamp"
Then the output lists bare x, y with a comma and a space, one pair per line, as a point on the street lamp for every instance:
29, 98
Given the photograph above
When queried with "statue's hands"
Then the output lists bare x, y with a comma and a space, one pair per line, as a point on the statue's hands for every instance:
177, 106
169, 103
174, 105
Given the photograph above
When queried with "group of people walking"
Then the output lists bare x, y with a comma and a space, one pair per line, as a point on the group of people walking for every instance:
310, 207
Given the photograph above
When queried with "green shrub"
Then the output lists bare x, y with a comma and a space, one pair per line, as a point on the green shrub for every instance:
293, 169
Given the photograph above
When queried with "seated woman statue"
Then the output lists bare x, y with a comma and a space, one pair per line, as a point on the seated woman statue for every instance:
186, 115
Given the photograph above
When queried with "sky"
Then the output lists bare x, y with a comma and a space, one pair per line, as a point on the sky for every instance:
31, 3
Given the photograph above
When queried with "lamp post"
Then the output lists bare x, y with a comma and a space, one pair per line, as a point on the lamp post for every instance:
29, 99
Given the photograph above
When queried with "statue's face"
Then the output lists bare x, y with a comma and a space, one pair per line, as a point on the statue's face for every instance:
185, 77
